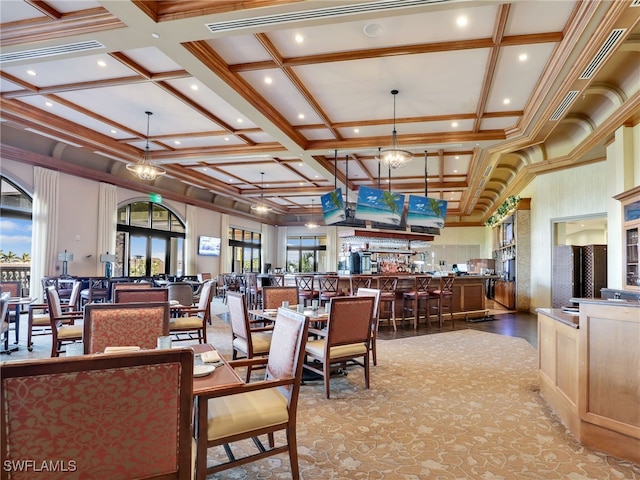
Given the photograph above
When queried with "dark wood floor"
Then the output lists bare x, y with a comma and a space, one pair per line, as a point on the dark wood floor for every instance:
514, 324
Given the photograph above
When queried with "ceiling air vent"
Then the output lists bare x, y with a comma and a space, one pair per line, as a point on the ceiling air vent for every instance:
604, 51
50, 51
318, 13
564, 105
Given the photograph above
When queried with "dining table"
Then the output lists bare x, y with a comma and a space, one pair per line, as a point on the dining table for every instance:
223, 376
17, 303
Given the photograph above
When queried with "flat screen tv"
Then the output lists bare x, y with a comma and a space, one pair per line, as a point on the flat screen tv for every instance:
379, 206
209, 246
426, 212
333, 207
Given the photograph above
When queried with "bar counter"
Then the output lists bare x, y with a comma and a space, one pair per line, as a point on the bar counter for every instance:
469, 291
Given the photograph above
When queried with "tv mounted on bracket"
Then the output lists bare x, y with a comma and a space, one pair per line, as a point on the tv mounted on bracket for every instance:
209, 246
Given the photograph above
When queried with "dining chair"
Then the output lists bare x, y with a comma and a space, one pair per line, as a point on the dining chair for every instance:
359, 281
125, 415
248, 339
306, 288
190, 323
124, 324
4, 319
250, 410
346, 340
276, 280
63, 328
14, 290
375, 320
138, 294
180, 292
387, 286
39, 320
442, 294
116, 286
98, 290
272, 297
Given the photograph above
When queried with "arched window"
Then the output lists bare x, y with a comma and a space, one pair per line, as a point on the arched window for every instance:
150, 241
15, 240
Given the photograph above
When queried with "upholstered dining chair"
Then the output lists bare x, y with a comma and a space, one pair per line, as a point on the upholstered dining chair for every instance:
345, 341
180, 292
63, 327
247, 340
38, 319
272, 297
125, 415
136, 295
375, 320
191, 322
116, 286
250, 410
124, 324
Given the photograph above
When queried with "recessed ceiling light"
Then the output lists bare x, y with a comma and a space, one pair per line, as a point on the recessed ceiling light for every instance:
317, 176
114, 131
300, 164
48, 104
299, 38
454, 124
31, 72
177, 142
506, 101
268, 80
226, 139
102, 63
356, 130
457, 157
455, 171
523, 57
462, 21
205, 169
373, 30
194, 87
155, 35
239, 120
301, 116
301, 183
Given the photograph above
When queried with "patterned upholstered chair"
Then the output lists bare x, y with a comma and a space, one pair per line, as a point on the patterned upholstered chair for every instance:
272, 297
115, 286
247, 340
249, 410
138, 423
345, 341
124, 324
140, 295
63, 327
191, 322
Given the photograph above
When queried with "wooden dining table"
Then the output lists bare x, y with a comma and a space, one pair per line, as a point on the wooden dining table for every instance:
222, 377
17, 303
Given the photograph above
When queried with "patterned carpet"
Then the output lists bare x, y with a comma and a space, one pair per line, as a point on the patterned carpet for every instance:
457, 405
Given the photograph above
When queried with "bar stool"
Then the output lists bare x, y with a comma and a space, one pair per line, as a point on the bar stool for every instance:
276, 280
387, 287
442, 294
328, 288
359, 281
305, 289
411, 299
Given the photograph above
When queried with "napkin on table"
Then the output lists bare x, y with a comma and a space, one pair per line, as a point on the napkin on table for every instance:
131, 348
210, 356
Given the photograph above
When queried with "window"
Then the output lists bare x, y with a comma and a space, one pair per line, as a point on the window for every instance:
150, 241
245, 250
15, 226
305, 253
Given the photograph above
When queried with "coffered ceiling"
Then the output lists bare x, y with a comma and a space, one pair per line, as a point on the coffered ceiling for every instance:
494, 92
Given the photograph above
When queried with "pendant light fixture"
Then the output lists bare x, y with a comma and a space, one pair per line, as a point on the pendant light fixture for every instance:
261, 208
394, 156
145, 169
311, 224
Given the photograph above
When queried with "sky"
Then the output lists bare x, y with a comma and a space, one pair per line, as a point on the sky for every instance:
15, 236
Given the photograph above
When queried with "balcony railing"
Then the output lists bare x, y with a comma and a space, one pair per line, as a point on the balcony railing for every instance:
19, 272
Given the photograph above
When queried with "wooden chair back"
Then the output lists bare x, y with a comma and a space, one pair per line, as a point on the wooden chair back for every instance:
276, 280
349, 322
359, 281
180, 292
124, 324
272, 297
140, 295
13, 288
53, 396
127, 286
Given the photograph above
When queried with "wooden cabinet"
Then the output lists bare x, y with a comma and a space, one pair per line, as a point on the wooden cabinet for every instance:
505, 293
630, 247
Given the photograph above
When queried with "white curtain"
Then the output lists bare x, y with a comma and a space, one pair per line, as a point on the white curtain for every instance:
191, 242
107, 222
44, 228
225, 261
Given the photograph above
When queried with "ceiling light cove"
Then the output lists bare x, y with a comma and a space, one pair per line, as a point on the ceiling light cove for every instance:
462, 21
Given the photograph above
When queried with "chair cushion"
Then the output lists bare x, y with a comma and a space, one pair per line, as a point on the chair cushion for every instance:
185, 322
261, 343
69, 331
244, 412
316, 348
41, 320
387, 295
